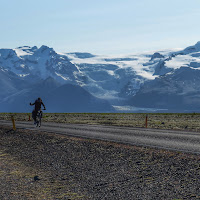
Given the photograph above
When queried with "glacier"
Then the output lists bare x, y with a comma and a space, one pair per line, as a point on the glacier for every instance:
123, 81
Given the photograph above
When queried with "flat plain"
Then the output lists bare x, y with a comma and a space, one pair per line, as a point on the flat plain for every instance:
175, 121
41, 165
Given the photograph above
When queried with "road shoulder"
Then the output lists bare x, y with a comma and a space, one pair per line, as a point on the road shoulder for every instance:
54, 166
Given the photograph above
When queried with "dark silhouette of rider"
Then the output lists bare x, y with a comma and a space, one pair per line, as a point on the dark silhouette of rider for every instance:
38, 103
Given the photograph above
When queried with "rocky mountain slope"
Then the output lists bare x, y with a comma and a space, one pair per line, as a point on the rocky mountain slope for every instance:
178, 89
168, 79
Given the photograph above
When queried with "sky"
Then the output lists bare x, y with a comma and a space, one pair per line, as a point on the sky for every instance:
100, 26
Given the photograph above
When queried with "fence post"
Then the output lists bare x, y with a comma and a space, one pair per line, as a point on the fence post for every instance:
146, 121
13, 121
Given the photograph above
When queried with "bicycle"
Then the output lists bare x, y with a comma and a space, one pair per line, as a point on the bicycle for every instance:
39, 118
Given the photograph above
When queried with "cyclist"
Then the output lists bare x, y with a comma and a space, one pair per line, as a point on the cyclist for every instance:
38, 103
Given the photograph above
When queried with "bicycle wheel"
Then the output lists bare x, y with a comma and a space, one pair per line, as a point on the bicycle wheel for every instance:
40, 120
37, 121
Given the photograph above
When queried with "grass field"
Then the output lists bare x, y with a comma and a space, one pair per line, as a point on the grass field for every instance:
176, 121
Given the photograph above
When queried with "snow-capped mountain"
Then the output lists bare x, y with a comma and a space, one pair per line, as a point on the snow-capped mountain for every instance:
40, 63
103, 76
176, 91
114, 78
178, 87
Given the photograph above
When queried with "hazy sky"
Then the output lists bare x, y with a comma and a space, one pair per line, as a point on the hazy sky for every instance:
100, 26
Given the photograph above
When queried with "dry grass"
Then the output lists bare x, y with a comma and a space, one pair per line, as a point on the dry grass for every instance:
176, 121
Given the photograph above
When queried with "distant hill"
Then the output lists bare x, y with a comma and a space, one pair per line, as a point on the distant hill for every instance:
56, 97
73, 98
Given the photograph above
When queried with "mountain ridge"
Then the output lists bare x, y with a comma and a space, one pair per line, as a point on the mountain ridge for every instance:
119, 79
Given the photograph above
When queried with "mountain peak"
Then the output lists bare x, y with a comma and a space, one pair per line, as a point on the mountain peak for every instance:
25, 50
26, 47
194, 48
7, 53
197, 45
156, 55
45, 50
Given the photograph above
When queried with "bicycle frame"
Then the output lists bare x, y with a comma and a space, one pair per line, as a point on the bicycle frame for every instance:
39, 118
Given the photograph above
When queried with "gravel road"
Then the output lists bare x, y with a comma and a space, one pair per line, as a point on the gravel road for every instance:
165, 139
39, 164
